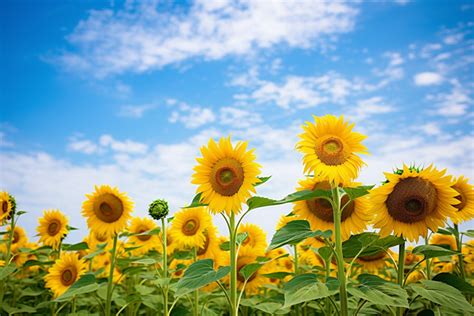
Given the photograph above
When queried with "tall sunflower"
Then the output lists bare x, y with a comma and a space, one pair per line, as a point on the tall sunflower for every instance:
107, 210
6, 206
330, 148
256, 238
145, 242
411, 201
319, 213
465, 203
226, 175
52, 228
65, 271
189, 225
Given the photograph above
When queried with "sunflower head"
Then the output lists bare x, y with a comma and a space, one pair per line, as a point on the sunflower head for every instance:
226, 175
189, 226
146, 242
52, 228
256, 238
19, 240
158, 209
65, 271
247, 256
107, 210
465, 203
6, 206
444, 240
330, 148
413, 201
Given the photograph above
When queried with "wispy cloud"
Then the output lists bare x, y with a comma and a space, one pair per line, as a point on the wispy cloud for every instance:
135, 111
427, 78
105, 142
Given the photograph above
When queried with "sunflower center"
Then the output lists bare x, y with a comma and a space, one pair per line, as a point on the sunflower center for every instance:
204, 248
322, 209
461, 198
331, 151
375, 257
16, 237
54, 227
4, 207
101, 237
68, 276
411, 200
143, 237
168, 239
110, 208
190, 228
227, 176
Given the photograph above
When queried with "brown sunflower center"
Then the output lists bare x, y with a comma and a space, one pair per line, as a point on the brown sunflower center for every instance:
54, 227
461, 198
204, 248
4, 207
412, 200
110, 208
331, 151
322, 209
143, 237
68, 276
227, 176
101, 237
374, 257
169, 240
190, 227
16, 237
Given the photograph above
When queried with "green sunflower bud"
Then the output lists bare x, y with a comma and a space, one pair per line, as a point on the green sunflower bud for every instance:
158, 209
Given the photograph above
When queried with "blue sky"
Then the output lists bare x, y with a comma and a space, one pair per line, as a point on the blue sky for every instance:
125, 93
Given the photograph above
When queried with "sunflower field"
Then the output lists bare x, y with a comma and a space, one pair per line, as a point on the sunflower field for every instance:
344, 249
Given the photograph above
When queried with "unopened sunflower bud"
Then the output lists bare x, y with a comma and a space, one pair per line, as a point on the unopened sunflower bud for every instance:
158, 209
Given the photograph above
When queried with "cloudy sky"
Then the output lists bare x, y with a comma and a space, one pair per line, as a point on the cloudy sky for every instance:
125, 93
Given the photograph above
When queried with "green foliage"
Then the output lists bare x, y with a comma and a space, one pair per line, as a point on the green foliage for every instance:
294, 232
432, 251
196, 202
304, 288
258, 201
86, 284
262, 180
357, 192
368, 244
455, 281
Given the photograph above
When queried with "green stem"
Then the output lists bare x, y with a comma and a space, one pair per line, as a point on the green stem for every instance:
295, 248
7, 258
401, 271
233, 266
196, 293
108, 303
341, 274
165, 266
73, 307
460, 257
327, 266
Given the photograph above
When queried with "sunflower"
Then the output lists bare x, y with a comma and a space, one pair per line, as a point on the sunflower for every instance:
226, 175
146, 242
411, 201
441, 265
211, 244
256, 238
465, 203
189, 225
444, 240
319, 212
95, 238
52, 228
19, 240
178, 266
256, 280
6, 206
468, 255
65, 271
171, 245
378, 261
410, 258
415, 276
107, 210
330, 147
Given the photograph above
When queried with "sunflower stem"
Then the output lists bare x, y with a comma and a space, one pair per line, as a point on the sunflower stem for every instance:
108, 303
295, 259
165, 266
341, 274
458, 237
7, 258
401, 271
196, 293
233, 266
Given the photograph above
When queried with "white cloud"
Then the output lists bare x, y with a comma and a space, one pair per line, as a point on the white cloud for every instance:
427, 78
83, 146
454, 103
368, 107
135, 111
127, 146
140, 37
453, 39
431, 129
238, 118
192, 116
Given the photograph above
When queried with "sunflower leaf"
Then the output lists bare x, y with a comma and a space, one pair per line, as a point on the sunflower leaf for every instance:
377, 291
432, 251
196, 202
368, 244
259, 201
305, 287
250, 269
74, 247
262, 180
86, 284
455, 281
294, 232
6, 271
358, 192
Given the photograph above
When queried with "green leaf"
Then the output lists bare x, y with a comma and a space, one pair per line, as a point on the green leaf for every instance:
294, 232
6, 271
442, 294
143, 290
31, 263
70, 228
358, 192
30, 292
325, 252
262, 180
86, 284
378, 291
277, 275
248, 270
432, 251
196, 202
154, 231
19, 308
469, 233
75, 247
258, 201
20, 213
368, 244
240, 238
183, 255
303, 288
199, 274
146, 261
455, 281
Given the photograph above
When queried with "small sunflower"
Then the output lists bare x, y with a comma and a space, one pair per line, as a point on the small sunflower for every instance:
146, 242
378, 261
107, 210
411, 201
19, 240
6, 206
330, 148
52, 228
226, 175
355, 216
410, 258
465, 203
256, 238
65, 271
256, 280
189, 225
178, 266
211, 244
441, 265
444, 240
